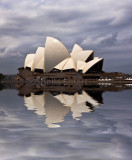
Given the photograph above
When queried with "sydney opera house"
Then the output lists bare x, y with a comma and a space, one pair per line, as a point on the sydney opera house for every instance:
55, 61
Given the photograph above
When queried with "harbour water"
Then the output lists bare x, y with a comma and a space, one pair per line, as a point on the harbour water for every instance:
84, 125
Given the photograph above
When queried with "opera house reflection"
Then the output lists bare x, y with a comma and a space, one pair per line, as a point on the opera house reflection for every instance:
54, 106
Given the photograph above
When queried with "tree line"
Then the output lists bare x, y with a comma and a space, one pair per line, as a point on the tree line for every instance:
2, 76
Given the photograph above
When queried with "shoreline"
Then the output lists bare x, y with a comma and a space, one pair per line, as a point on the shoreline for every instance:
64, 78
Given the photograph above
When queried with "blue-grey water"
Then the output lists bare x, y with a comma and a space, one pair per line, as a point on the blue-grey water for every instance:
82, 126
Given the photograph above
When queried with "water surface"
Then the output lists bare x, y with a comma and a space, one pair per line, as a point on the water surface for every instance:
86, 125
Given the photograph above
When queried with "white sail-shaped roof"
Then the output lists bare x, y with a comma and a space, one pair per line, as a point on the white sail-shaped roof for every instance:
61, 64
69, 65
56, 56
38, 62
82, 56
80, 65
91, 63
76, 48
29, 60
55, 52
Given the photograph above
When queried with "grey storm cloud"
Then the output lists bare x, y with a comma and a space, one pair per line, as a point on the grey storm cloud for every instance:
97, 25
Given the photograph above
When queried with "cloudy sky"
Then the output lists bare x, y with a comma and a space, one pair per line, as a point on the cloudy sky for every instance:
104, 26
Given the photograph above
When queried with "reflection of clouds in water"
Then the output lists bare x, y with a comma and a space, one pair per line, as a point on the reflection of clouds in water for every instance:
101, 135
63, 144
55, 108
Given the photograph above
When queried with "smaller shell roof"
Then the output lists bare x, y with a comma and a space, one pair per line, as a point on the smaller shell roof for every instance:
76, 49
82, 56
91, 64
69, 65
29, 60
61, 64
38, 62
80, 65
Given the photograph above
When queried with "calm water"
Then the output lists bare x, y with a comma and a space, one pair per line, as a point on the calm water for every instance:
80, 126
